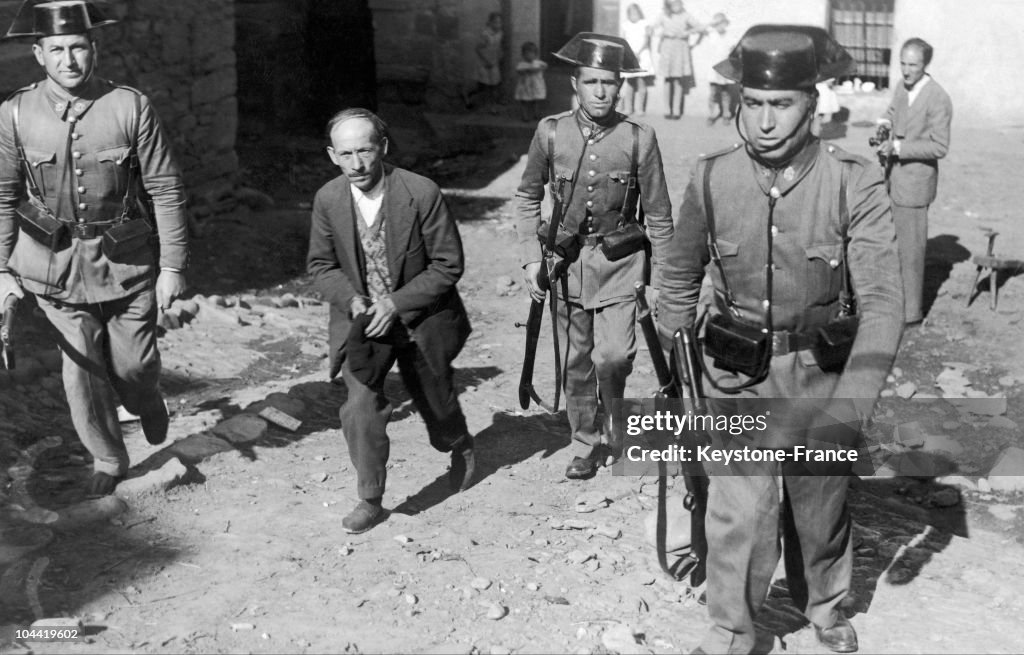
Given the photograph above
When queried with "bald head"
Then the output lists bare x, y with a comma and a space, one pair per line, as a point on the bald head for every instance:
358, 148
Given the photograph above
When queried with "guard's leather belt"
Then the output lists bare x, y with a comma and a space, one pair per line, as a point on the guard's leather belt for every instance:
784, 342
89, 230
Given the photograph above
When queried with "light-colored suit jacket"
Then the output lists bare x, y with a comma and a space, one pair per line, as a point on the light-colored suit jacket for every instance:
425, 260
923, 131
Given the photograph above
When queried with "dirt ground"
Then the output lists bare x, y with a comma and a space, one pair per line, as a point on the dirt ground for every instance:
244, 552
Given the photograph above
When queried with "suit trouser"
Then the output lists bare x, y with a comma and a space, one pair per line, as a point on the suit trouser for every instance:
107, 347
911, 241
743, 530
365, 415
599, 351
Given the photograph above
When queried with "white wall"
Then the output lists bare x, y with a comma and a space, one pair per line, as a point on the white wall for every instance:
978, 51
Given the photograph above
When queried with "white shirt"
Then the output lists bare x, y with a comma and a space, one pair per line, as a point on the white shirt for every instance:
368, 203
911, 97
916, 91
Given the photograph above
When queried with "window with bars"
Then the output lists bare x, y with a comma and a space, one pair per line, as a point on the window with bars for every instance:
864, 27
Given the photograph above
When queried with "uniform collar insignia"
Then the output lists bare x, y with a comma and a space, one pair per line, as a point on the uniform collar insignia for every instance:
64, 104
789, 175
591, 129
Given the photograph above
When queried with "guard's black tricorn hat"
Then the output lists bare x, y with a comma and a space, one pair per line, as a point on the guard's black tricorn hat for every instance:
785, 57
54, 18
592, 50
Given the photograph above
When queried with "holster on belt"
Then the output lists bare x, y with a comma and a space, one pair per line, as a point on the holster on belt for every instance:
835, 341
125, 238
735, 347
39, 223
567, 244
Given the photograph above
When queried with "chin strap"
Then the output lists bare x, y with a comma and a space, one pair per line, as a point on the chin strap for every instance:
808, 116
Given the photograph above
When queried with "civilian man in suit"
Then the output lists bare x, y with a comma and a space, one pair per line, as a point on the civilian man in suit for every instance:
386, 254
920, 114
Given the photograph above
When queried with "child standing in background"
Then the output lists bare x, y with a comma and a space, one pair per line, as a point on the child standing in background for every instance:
487, 72
530, 87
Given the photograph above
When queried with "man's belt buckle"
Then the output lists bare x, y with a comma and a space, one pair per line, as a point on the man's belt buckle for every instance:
780, 343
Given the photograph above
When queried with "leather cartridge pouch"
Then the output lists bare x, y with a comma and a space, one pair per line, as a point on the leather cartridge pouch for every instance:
834, 343
625, 240
735, 347
42, 226
567, 244
126, 238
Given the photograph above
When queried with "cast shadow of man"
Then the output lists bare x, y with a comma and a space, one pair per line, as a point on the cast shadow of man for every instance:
941, 253
315, 404
508, 440
900, 524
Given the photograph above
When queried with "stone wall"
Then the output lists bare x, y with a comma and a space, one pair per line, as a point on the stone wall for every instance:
181, 54
423, 47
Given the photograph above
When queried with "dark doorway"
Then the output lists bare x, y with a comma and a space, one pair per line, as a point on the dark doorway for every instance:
300, 61
339, 49
560, 19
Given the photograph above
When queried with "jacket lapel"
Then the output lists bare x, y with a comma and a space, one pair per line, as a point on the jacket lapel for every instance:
399, 220
347, 234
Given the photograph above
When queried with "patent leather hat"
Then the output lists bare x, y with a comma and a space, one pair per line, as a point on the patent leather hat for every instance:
592, 50
38, 19
785, 57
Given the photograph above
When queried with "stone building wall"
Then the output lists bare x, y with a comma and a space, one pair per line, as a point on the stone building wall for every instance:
181, 54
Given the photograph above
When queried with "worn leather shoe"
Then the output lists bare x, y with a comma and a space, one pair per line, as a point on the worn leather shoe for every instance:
102, 484
460, 475
840, 638
364, 516
583, 468
155, 423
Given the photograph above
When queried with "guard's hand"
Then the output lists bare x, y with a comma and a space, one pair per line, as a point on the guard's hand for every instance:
358, 306
9, 287
652, 300
885, 149
531, 273
384, 314
169, 285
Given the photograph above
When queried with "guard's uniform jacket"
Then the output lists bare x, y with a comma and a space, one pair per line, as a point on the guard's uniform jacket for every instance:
602, 156
79, 152
808, 257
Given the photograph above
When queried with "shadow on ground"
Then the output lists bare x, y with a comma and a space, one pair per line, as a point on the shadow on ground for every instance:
509, 440
894, 539
942, 253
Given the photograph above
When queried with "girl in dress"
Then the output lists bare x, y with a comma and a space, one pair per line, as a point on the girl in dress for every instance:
637, 32
530, 87
674, 29
488, 65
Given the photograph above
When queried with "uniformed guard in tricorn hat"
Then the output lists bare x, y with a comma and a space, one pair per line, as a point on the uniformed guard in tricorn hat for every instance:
54, 18
785, 57
592, 50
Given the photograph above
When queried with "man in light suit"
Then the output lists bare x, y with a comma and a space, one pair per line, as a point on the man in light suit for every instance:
386, 254
920, 114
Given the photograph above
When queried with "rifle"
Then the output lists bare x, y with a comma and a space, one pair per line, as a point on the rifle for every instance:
666, 383
6, 324
696, 501
696, 482
533, 323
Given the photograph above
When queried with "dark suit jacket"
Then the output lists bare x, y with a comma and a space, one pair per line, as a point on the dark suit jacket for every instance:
923, 130
425, 260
